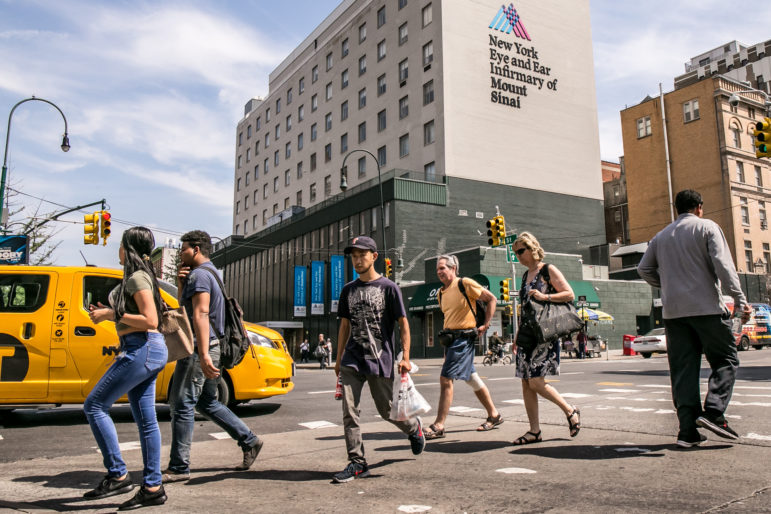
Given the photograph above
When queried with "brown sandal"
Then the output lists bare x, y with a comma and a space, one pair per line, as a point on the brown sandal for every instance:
526, 440
433, 433
490, 423
575, 427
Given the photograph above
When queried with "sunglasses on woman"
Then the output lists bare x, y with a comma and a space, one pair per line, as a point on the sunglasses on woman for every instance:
520, 251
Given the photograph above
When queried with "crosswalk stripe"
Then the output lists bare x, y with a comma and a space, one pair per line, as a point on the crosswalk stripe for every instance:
311, 425
752, 387
665, 386
131, 445
463, 409
618, 384
504, 378
753, 395
635, 409
575, 395
331, 391
513, 471
758, 437
619, 390
751, 404
664, 411
515, 402
220, 435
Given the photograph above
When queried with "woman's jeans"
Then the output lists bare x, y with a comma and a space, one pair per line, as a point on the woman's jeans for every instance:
142, 357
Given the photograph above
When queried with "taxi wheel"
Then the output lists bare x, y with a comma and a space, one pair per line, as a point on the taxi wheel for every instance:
744, 345
225, 391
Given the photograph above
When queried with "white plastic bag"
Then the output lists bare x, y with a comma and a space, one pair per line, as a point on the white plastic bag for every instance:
407, 401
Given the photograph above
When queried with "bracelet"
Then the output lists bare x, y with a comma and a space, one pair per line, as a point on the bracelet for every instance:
548, 296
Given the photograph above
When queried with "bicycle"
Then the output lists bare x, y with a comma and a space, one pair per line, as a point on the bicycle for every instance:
493, 358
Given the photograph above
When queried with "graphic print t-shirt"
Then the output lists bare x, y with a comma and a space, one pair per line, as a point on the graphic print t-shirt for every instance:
373, 309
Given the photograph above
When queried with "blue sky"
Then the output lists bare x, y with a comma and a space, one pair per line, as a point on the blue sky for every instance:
152, 92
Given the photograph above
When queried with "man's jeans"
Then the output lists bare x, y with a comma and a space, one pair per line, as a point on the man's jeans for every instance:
191, 390
143, 355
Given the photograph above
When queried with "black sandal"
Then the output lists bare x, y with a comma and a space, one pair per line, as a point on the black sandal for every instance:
433, 432
490, 423
574, 427
526, 440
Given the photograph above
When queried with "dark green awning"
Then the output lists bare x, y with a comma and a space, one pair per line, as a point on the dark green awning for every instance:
585, 290
425, 297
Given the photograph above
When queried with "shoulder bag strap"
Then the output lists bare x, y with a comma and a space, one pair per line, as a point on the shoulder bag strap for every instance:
224, 298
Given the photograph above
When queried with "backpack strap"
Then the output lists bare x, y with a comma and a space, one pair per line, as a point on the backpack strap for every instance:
224, 298
462, 290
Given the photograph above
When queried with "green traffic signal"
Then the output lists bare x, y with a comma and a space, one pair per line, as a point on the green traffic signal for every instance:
762, 135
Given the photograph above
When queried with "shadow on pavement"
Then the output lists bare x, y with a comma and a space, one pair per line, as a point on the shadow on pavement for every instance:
68, 480
371, 436
454, 446
608, 452
64, 504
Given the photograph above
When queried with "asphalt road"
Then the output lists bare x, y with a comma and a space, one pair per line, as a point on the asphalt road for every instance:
629, 395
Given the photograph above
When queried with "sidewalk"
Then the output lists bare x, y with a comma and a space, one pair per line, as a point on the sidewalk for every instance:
468, 471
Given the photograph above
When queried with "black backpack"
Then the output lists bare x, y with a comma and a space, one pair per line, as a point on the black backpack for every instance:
235, 341
480, 313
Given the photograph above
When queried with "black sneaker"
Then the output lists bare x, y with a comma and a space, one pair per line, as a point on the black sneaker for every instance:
717, 425
110, 486
250, 456
144, 498
417, 440
689, 440
351, 471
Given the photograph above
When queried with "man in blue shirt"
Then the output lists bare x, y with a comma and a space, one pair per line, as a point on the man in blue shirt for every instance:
369, 309
195, 381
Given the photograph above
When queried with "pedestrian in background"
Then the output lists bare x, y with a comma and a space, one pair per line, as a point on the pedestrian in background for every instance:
536, 360
690, 261
304, 351
461, 331
195, 381
135, 307
328, 347
370, 308
321, 352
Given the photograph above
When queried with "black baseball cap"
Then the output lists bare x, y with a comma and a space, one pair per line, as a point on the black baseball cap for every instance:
362, 243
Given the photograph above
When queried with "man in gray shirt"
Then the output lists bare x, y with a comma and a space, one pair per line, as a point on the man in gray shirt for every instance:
690, 260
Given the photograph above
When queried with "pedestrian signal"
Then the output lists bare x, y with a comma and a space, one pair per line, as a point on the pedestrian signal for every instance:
91, 229
762, 135
496, 231
106, 230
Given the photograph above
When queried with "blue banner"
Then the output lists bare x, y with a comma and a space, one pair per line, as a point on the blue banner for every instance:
317, 287
300, 291
337, 277
13, 250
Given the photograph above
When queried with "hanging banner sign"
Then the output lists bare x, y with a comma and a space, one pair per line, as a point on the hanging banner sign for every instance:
317, 287
13, 250
337, 278
300, 291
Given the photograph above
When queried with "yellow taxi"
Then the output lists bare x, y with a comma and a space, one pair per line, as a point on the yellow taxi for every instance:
51, 353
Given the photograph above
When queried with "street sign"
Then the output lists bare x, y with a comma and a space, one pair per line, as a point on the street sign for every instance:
510, 239
510, 255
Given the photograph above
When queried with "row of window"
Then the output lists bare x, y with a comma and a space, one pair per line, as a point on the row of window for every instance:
740, 175
761, 265
744, 210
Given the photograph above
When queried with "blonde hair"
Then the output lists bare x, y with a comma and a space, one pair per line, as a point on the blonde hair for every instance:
529, 241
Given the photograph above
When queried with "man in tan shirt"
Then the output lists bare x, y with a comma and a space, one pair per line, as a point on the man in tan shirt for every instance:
461, 332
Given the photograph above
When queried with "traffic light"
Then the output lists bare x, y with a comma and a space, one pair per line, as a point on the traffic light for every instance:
106, 223
506, 290
91, 229
496, 231
762, 135
388, 268
508, 311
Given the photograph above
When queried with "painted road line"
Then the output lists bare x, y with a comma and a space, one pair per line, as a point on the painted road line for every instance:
752, 387
131, 445
219, 435
732, 416
504, 378
625, 399
411, 508
752, 395
312, 425
751, 404
1, 438
664, 411
516, 471
665, 386
575, 395
759, 437
515, 402
461, 409
634, 409
619, 390
331, 391
573, 373
617, 384
604, 407
427, 384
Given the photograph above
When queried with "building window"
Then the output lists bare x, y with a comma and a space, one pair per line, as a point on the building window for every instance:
362, 167
737, 137
428, 92
402, 4
288, 150
301, 113
267, 115
328, 152
265, 166
766, 257
329, 61
344, 111
327, 186
256, 197
289, 96
265, 191
314, 132
404, 145
644, 126
373, 219
381, 17
428, 54
314, 103
240, 138
403, 71
749, 261
762, 215
362, 32
267, 139
758, 176
275, 158
239, 161
287, 177
299, 170
328, 92
286, 206
301, 85
404, 107
344, 79
403, 34
254, 222
313, 162
362, 98
429, 171
381, 84
289, 123
740, 172
344, 143
381, 156
344, 47
313, 192
381, 121
257, 147
300, 141
362, 131
362, 65
428, 133
248, 154
257, 124
299, 200
745, 211
314, 74
381, 50
248, 133
328, 122
751, 112
238, 185
428, 15
275, 184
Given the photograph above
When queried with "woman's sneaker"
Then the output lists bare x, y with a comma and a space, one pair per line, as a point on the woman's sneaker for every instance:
110, 486
351, 471
717, 425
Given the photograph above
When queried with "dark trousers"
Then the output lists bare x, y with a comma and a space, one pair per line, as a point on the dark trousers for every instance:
687, 339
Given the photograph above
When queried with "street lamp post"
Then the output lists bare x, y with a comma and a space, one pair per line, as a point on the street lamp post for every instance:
65, 141
344, 186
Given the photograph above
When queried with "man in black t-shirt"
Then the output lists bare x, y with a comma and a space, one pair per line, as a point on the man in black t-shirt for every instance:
369, 309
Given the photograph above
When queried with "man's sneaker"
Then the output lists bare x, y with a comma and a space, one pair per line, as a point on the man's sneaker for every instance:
717, 425
250, 456
351, 471
110, 486
144, 498
417, 439
689, 440
170, 476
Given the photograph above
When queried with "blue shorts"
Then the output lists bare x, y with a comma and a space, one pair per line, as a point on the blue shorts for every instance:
459, 359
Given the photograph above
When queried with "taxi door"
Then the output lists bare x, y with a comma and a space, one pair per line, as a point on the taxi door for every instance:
93, 346
26, 309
